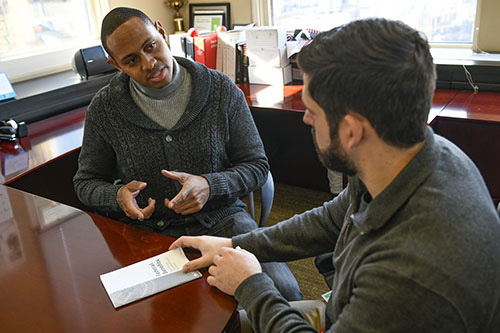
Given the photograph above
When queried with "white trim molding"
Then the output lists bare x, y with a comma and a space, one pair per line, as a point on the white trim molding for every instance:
261, 12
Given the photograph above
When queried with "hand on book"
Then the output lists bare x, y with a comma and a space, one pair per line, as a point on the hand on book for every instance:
208, 246
231, 267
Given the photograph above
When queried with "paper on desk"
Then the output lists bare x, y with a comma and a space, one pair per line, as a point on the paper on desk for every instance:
147, 277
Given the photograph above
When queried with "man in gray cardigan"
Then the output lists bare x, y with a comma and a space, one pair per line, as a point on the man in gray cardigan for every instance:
415, 236
169, 142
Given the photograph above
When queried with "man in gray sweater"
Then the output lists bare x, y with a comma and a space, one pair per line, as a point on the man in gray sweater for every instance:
170, 143
415, 236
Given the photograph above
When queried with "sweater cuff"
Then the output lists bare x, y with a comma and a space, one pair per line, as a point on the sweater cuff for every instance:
239, 240
217, 183
110, 194
249, 290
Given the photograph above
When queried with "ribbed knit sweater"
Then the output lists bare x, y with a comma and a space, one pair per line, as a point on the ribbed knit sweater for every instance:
216, 138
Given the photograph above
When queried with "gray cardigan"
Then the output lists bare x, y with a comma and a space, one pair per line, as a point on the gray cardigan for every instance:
216, 137
424, 256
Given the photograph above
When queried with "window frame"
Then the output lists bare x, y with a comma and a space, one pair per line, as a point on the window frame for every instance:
262, 14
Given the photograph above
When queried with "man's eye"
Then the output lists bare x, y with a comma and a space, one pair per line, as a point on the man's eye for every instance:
131, 61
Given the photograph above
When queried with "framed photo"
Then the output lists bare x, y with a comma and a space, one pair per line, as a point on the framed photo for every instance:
208, 16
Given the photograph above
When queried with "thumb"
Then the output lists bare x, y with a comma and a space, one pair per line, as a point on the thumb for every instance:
195, 264
179, 176
136, 186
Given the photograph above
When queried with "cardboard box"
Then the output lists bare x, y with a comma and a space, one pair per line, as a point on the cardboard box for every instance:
273, 37
268, 57
270, 75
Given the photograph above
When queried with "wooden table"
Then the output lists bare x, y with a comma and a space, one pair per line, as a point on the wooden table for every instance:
470, 120
51, 256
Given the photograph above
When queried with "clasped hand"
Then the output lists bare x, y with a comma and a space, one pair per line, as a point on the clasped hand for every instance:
228, 267
191, 198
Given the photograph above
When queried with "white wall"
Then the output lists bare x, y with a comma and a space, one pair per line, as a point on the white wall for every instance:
241, 10
489, 37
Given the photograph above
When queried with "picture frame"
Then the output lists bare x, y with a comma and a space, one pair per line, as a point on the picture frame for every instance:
206, 17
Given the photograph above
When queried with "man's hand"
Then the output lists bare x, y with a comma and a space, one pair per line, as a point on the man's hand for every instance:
126, 200
208, 246
193, 195
231, 267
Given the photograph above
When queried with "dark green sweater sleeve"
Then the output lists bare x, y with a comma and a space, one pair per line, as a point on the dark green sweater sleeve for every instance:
267, 310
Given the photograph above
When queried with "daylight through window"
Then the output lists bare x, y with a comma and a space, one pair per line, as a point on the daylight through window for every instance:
443, 21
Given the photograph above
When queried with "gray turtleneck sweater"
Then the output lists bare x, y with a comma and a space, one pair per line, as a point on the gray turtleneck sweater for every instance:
215, 137
166, 105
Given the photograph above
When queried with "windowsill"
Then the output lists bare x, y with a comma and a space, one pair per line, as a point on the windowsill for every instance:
459, 56
45, 84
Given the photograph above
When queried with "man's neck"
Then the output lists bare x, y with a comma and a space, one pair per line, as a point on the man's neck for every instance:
382, 164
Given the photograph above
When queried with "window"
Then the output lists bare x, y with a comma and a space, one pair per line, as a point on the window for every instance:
41, 36
443, 21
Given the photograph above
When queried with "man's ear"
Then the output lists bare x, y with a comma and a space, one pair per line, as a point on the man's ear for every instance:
113, 62
354, 130
160, 29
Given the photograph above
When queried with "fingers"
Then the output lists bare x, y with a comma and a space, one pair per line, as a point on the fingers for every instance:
195, 264
179, 176
149, 209
126, 200
185, 241
208, 246
230, 267
135, 185
184, 207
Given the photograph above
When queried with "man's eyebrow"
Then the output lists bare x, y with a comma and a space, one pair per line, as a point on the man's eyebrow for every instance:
142, 46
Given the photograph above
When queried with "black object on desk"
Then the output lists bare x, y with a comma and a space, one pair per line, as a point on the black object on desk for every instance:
10, 130
91, 61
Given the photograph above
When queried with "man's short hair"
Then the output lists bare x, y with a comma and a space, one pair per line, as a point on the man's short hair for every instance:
117, 17
378, 68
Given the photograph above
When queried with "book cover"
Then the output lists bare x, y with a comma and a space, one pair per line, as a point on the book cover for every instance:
205, 49
226, 46
147, 277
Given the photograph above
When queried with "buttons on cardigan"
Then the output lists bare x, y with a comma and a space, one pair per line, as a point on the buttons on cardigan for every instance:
169, 138
160, 224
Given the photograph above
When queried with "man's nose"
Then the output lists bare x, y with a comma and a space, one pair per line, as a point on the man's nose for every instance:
306, 118
148, 62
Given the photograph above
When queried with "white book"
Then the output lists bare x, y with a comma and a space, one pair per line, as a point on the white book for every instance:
147, 277
226, 51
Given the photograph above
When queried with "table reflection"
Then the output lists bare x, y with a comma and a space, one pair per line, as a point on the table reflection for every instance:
51, 257
11, 247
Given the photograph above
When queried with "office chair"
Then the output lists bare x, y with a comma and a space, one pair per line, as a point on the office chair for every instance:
267, 194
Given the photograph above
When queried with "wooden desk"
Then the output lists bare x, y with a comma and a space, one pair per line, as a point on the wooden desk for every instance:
51, 256
44, 162
52, 148
278, 112
472, 122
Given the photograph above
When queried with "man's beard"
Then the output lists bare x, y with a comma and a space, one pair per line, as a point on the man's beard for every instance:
333, 157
